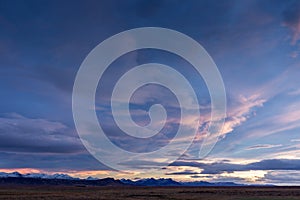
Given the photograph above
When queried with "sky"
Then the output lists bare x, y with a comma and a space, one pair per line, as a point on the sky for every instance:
255, 45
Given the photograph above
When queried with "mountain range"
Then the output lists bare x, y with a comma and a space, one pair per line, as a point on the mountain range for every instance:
64, 179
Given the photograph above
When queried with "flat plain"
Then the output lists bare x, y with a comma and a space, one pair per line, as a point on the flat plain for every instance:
148, 193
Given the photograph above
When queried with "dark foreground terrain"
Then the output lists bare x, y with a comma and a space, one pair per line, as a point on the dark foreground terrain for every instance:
148, 193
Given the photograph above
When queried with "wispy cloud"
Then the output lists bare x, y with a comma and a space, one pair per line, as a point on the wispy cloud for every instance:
263, 146
295, 140
238, 112
291, 19
241, 112
295, 92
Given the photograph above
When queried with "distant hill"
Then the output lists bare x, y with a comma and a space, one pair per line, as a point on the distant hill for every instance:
64, 179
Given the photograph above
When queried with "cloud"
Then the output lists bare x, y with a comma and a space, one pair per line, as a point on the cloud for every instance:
279, 117
295, 140
250, 26
40, 144
291, 19
143, 163
295, 92
221, 167
285, 118
294, 54
21, 134
263, 146
50, 162
235, 179
282, 177
239, 111
186, 172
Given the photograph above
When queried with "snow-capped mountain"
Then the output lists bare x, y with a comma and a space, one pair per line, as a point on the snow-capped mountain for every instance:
36, 175
61, 176
13, 174
91, 178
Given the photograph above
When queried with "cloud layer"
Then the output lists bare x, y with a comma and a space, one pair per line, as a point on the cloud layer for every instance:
255, 45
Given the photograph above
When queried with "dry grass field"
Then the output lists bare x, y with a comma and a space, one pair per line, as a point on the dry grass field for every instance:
149, 193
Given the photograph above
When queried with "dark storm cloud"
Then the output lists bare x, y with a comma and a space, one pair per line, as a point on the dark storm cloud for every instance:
42, 144
50, 162
20, 134
220, 167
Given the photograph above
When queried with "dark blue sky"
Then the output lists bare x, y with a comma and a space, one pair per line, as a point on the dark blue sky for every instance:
255, 44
